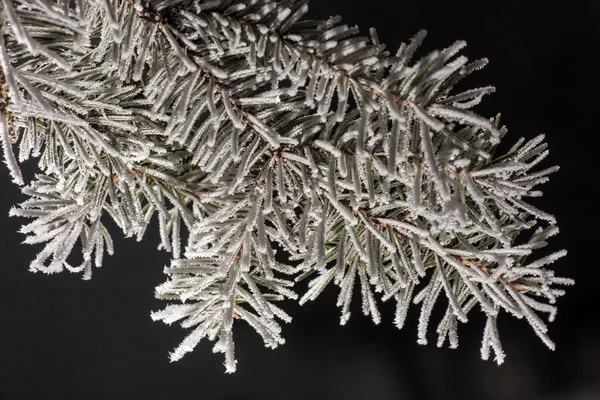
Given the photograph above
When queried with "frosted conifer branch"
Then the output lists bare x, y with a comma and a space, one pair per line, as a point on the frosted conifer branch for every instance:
258, 132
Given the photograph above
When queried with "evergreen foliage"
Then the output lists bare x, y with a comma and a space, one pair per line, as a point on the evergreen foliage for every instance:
280, 148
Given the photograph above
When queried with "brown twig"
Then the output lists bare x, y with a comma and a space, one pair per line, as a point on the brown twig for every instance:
471, 263
133, 172
486, 270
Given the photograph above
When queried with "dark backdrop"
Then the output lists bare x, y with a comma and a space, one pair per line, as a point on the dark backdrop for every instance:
65, 338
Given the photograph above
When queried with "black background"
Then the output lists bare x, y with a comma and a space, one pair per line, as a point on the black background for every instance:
65, 338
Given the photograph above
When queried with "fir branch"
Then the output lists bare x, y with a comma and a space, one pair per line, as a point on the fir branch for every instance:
253, 129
